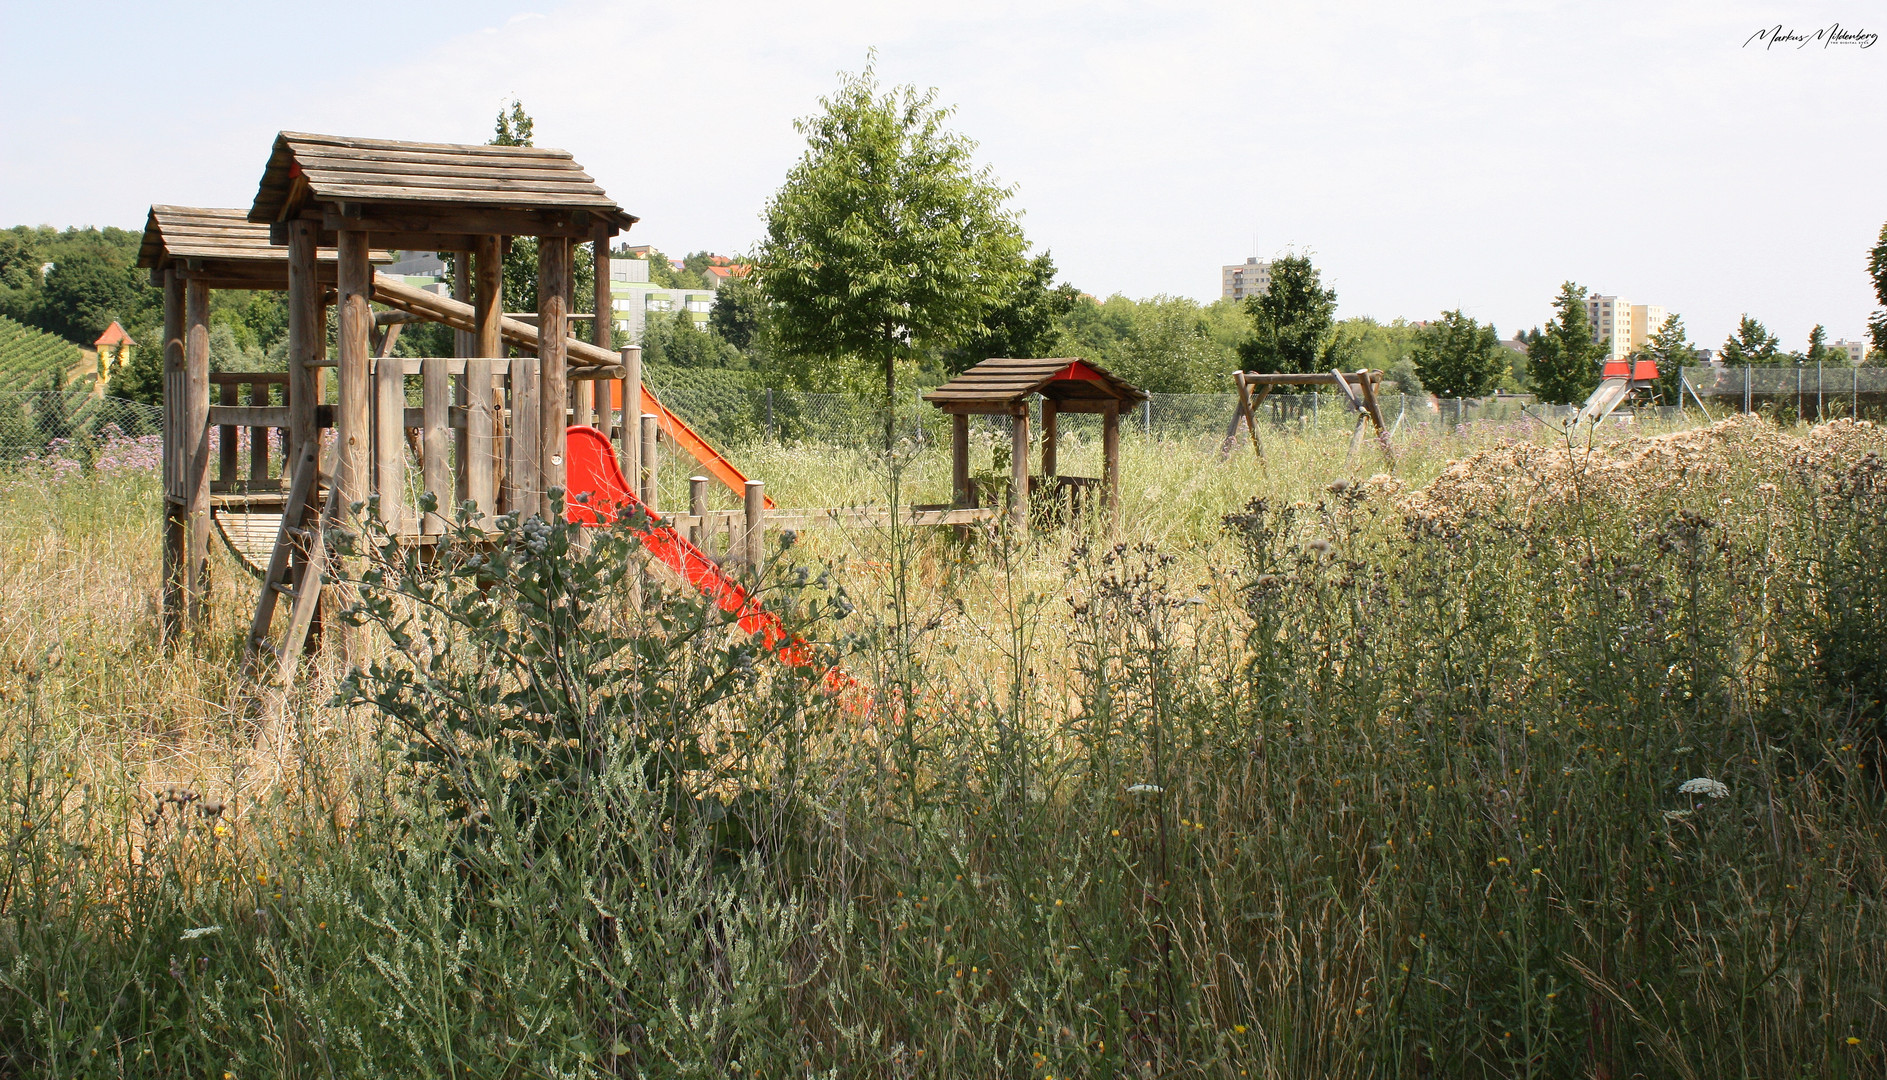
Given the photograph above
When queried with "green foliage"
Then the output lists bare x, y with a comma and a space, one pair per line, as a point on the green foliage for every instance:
739, 312
1877, 322
92, 280
1027, 323
1386, 347
1563, 360
1457, 357
142, 378
513, 128
1751, 344
676, 340
1165, 344
885, 241
1293, 322
1672, 350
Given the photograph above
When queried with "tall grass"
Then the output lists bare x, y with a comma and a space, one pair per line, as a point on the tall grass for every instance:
1305, 772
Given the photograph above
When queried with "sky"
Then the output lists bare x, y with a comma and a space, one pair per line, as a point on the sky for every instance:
1427, 156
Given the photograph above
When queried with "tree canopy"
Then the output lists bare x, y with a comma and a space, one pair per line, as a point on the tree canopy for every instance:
1457, 357
886, 240
1025, 323
1877, 322
1672, 350
1563, 360
1751, 344
1293, 322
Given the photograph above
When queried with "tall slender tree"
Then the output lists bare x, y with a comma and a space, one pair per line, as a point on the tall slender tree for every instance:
1671, 348
1877, 322
1563, 360
886, 240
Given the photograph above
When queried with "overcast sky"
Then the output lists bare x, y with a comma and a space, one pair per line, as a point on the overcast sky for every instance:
1429, 156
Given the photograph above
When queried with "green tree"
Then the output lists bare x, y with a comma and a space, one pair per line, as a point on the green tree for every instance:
739, 312
1877, 322
1457, 357
84, 292
1293, 322
142, 379
1025, 324
886, 240
1670, 347
1563, 360
514, 128
1751, 344
1170, 349
676, 340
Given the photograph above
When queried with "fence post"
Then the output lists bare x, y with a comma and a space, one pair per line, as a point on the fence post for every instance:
755, 509
772, 435
1746, 388
1146, 411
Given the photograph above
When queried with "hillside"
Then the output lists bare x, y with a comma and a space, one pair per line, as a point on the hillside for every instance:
28, 356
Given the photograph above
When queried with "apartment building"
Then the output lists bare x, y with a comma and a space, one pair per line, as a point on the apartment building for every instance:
633, 298
1249, 278
1627, 326
1856, 350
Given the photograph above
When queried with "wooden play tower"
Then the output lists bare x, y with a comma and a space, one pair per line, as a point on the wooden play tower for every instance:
488, 429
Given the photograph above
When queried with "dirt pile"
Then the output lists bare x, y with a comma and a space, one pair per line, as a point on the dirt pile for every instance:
1514, 479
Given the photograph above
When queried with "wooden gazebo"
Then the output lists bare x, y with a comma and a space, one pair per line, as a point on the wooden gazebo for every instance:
1003, 387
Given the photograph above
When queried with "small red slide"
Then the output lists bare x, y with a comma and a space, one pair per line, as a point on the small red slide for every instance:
592, 470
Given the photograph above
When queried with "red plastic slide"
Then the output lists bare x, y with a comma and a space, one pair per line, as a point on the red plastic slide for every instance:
592, 470
690, 441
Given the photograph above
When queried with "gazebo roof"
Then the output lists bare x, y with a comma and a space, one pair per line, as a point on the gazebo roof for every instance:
223, 246
999, 385
411, 189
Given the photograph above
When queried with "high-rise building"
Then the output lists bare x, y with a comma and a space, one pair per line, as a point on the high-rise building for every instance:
1627, 326
1249, 278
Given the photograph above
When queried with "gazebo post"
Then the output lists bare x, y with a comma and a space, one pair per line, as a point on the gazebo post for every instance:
553, 396
960, 459
1050, 438
176, 455
1019, 470
307, 339
602, 323
196, 429
1110, 460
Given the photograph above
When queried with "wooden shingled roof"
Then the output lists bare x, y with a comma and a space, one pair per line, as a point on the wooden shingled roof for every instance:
222, 244
535, 184
1000, 384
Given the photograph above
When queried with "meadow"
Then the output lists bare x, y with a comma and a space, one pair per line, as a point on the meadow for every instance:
1517, 759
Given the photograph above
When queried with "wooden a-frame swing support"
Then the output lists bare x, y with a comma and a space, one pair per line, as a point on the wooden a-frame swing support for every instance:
1358, 387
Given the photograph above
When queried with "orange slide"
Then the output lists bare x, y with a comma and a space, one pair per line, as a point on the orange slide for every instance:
592, 471
690, 441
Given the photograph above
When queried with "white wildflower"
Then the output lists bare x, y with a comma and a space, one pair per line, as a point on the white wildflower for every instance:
1144, 789
196, 932
1703, 785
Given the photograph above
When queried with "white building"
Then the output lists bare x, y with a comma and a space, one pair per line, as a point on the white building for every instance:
1249, 278
1627, 326
1856, 350
634, 298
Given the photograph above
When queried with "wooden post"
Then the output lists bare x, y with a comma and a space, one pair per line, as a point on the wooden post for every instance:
487, 297
353, 417
631, 445
176, 521
435, 434
1050, 448
959, 460
698, 508
258, 440
307, 340
196, 421
649, 481
755, 511
1110, 461
226, 440
1019, 472
553, 327
602, 320
389, 439
463, 341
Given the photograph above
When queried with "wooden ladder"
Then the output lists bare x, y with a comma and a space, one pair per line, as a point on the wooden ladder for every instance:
304, 531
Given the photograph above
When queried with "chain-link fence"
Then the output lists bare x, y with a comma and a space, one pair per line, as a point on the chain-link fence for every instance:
1809, 391
74, 429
